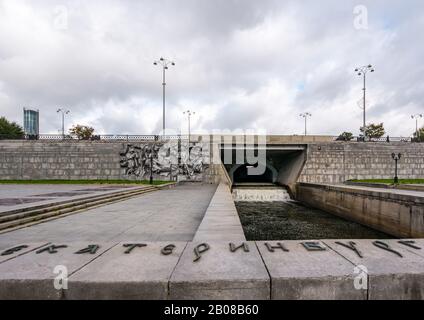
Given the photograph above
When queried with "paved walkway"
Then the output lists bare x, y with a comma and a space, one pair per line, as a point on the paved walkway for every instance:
164, 215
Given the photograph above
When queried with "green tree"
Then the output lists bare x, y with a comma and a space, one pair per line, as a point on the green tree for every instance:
82, 132
375, 130
345, 136
10, 130
420, 136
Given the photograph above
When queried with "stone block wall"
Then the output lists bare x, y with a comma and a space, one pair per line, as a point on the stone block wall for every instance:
326, 162
340, 161
60, 160
75, 160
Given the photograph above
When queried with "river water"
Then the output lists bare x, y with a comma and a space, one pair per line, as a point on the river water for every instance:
269, 219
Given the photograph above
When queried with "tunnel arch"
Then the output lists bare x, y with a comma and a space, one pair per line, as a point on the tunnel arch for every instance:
238, 173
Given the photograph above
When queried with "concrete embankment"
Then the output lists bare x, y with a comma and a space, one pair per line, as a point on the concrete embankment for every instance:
397, 212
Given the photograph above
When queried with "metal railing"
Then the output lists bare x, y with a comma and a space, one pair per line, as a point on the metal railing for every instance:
140, 138
382, 139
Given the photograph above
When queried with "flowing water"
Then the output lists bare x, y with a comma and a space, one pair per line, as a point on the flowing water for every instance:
270, 214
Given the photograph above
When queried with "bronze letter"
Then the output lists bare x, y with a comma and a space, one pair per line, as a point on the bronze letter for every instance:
51, 249
313, 246
168, 250
409, 243
244, 245
91, 249
385, 246
13, 250
351, 246
278, 246
199, 250
132, 246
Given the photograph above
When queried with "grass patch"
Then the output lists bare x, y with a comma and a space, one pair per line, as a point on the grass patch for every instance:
155, 182
390, 181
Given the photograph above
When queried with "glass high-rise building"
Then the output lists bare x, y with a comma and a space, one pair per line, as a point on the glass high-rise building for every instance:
31, 122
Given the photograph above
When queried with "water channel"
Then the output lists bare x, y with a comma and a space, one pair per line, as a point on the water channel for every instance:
269, 214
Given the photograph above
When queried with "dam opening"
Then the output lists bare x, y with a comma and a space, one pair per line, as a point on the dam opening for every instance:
266, 204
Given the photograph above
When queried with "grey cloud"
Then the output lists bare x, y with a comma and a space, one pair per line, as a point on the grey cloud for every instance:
223, 49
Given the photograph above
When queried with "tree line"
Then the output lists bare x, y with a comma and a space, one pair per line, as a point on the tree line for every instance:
12, 130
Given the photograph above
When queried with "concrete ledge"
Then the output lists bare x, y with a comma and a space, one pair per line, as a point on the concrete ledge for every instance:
31, 275
221, 221
18, 250
220, 274
324, 270
299, 274
390, 276
142, 274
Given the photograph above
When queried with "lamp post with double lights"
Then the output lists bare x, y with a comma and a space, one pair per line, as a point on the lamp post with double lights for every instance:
189, 114
64, 112
416, 116
396, 157
164, 63
362, 71
305, 115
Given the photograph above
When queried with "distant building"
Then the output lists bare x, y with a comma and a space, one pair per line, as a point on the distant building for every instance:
31, 122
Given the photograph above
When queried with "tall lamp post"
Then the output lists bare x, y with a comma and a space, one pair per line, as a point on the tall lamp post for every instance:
306, 115
64, 112
362, 71
416, 116
189, 114
396, 157
165, 66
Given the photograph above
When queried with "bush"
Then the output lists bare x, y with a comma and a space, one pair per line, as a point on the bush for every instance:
82, 132
345, 136
374, 130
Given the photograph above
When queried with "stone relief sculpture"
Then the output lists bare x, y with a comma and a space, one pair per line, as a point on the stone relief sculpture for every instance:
170, 161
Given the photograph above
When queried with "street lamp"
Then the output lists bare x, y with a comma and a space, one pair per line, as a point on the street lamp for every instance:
416, 116
164, 63
396, 157
64, 112
362, 71
189, 114
305, 115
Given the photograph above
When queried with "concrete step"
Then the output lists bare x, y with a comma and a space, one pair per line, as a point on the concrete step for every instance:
64, 205
65, 202
20, 219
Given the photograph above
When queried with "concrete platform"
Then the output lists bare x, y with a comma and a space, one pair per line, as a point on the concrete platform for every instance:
299, 274
142, 274
390, 276
220, 274
221, 221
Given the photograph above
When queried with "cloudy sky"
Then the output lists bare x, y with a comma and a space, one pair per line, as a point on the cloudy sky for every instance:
248, 64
